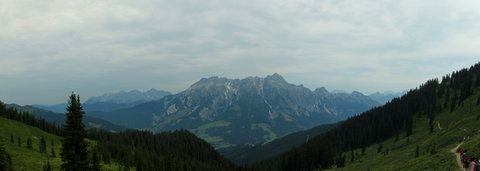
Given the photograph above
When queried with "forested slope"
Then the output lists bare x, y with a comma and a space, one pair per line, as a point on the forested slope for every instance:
131, 149
402, 117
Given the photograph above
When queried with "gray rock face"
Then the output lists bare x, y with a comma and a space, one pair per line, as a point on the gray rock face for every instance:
252, 110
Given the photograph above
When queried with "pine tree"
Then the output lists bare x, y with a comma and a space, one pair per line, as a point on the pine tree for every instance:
454, 102
379, 148
19, 141
432, 149
42, 145
106, 157
431, 122
95, 161
11, 139
74, 150
340, 161
417, 151
409, 126
47, 166
52, 152
29, 143
5, 160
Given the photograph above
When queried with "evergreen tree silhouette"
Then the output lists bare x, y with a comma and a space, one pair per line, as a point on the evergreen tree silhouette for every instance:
29, 143
5, 160
74, 150
42, 145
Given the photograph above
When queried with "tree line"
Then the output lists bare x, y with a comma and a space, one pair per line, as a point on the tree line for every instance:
29, 119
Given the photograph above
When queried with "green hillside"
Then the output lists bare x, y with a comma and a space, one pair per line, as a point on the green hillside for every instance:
434, 148
31, 159
417, 131
23, 158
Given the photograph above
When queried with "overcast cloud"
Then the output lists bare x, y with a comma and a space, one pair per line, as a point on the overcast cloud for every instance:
50, 48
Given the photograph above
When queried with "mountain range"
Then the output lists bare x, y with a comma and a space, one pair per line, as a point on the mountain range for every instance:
226, 112
112, 101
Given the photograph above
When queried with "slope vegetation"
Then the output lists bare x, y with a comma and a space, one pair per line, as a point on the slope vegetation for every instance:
414, 132
459, 128
142, 150
22, 157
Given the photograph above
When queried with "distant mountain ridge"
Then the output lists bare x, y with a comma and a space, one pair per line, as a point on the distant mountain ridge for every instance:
90, 122
112, 101
235, 111
134, 96
386, 96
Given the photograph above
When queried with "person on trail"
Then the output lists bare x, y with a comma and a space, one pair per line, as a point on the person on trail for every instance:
473, 162
464, 159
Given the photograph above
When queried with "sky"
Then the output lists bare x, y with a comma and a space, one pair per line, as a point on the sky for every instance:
50, 48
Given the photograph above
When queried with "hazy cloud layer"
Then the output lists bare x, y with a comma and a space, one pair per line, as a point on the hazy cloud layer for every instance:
50, 48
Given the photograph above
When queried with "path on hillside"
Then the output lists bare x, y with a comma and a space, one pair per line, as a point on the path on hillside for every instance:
457, 156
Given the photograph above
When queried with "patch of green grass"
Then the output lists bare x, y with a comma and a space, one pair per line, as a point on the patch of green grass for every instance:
216, 141
201, 129
287, 117
265, 127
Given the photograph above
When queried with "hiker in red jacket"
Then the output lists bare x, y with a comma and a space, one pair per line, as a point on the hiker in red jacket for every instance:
465, 160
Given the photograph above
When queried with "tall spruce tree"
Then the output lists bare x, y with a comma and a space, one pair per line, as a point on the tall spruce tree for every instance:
52, 152
95, 162
29, 143
42, 146
5, 160
47, 166
74, 150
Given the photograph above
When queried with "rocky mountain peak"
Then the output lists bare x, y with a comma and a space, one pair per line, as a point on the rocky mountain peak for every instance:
321, 91
205, 84
276, 77
357, 94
